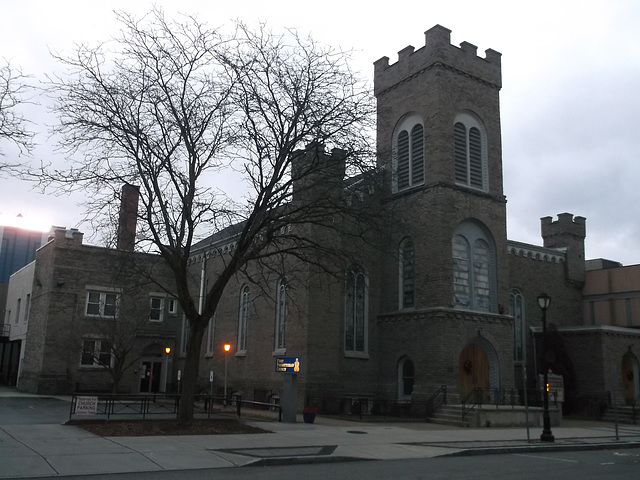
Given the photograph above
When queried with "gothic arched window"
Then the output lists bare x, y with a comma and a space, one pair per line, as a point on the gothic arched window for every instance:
243, 315
516, 308
474, 268
408, 154
281, 314
470, 151
355, 322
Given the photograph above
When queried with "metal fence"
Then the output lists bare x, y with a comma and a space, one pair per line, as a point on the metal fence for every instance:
159, 405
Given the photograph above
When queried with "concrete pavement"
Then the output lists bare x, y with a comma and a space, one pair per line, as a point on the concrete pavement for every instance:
32, 450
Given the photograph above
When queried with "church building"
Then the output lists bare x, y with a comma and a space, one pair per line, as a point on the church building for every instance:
452, 303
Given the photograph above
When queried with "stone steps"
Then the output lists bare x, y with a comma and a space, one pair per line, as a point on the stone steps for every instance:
624, 414
450, 415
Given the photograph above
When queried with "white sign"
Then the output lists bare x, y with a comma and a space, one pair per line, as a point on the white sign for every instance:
86, 405
179, 374
211, 376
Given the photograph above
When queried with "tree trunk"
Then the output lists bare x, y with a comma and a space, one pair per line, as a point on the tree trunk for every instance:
189, 379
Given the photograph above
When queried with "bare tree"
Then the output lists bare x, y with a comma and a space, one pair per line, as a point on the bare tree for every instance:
184, 112
13, 125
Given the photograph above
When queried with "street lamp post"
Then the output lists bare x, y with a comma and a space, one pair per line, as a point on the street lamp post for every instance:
227, 347
544, 301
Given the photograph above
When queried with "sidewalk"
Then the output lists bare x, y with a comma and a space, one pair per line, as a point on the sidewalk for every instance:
52, 450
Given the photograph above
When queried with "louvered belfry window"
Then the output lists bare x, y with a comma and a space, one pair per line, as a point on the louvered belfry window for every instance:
410, 157
468, 156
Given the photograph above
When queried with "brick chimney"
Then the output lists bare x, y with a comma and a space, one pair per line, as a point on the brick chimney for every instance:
128, 217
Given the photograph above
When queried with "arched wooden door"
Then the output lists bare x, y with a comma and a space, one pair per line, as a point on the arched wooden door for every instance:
474, 370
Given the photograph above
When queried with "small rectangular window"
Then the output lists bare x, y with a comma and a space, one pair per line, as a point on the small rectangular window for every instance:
173, 306
27, 307
18, 310
156, 309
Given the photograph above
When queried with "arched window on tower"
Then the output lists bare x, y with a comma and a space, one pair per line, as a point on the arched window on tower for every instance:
281, 315
243, 315
408, 154
516, 308
470, 151
407, 274
474, 268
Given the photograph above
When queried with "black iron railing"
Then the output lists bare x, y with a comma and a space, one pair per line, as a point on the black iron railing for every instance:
167, 404
436, 400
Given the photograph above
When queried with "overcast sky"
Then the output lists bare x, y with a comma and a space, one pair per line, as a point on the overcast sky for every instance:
570, 98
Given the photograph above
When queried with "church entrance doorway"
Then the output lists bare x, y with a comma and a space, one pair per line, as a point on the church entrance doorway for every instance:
474, 371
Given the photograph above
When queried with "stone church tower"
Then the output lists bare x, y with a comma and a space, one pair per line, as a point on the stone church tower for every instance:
439, 145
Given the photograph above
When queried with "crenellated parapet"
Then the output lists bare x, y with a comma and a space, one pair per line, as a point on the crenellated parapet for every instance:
555, 233
518, 249
438, 53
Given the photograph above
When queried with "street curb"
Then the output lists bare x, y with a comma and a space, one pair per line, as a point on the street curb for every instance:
308, 460
541, 448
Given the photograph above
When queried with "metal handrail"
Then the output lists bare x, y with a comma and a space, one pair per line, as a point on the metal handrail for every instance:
476, 394
437, 399
634, 409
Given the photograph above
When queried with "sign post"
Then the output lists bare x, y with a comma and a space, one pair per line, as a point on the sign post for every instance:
290, 366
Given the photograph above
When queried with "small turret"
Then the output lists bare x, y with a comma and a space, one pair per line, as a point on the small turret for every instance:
315, 173
567, 232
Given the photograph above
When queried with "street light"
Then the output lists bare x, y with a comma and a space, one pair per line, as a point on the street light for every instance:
544, 301
227, 348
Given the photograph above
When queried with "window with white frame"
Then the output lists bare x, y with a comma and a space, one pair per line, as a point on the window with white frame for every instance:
281, 315
243, 314
102, 304
96, 353
470, 151
156, 309
474, 268
408, 154
355, 328
407, 274
516, 308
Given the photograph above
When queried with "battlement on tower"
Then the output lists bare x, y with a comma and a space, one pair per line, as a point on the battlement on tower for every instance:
438, 51
566, 225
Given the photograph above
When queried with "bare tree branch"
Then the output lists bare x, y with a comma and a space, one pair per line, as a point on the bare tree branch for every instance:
14, 89
224, 135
